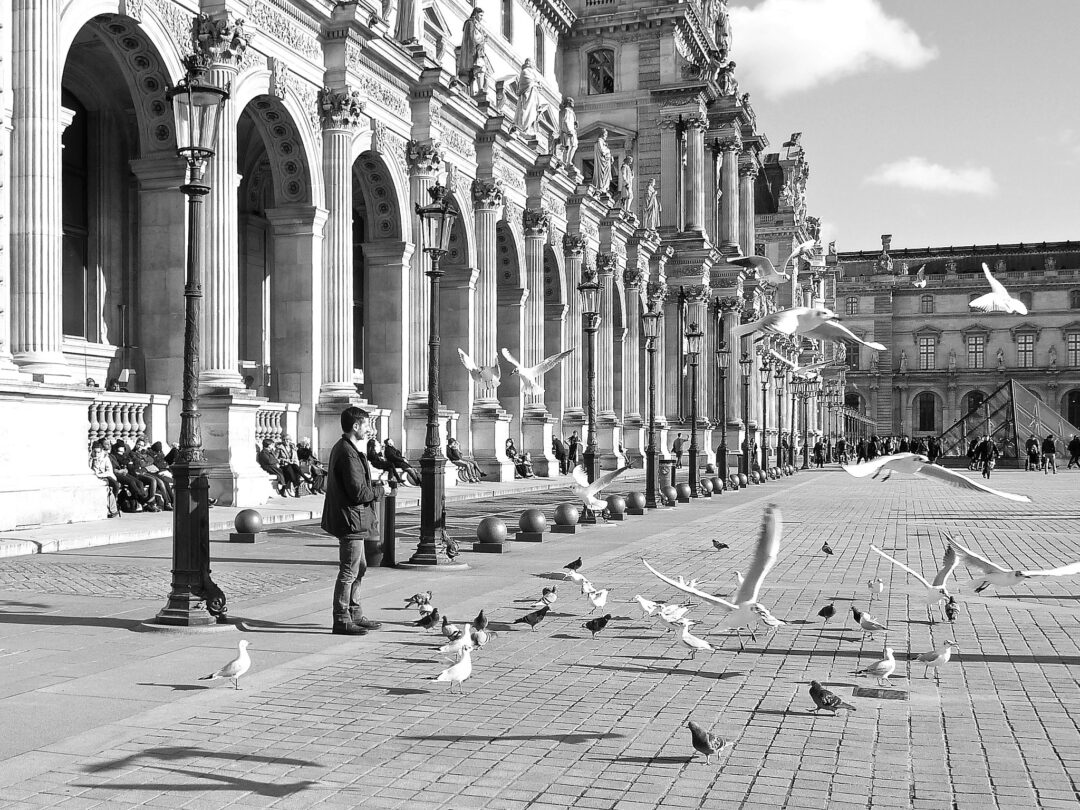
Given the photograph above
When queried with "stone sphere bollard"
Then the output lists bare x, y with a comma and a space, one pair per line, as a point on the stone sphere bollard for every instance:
635, 500
616, 505
491, 530
717, 484
566, 514
707, 486
248, 521
670, 495
744, 480
532, 520
683, 492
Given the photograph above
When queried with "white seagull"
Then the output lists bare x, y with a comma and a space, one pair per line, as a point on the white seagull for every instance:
575, 576
920, 278
488, 375
235, 668
805, 372
744, 610
587, 587
875, 586
672, 615
533, 378
693, 642
598, 599
813, 322
881, 669
936, 592
994, 574
920, 465
801, 249
456, 648
648, 607
998, 299
459, 672
762, 267
937, 658
587, 492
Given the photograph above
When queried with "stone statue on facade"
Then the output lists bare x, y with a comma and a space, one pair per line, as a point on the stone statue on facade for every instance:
602, 164
1051, 355
1001, 359
626, 183
408, 24
729, 85
529, 99
472, 61
568, 140
952, 361
903, 362
722, 29
650, 207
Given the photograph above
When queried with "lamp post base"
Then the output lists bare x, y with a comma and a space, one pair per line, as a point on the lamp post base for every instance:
434, 543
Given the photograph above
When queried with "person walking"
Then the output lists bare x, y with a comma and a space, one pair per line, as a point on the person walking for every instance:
1074, 452
349, 514
677, 449
986, 455
573, 455
1032, 447
1049, 454
933, 450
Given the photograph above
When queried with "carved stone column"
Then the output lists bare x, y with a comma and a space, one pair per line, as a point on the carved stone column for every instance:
608, 434
36, 232
656, 294
537, 424
574, 251
729, 202
633, 278
714, 161
222, 49
695, 174
671, 172
340, 112
425, 162
748, 172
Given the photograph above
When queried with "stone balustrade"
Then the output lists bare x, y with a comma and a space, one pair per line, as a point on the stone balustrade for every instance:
276, 419
117, 416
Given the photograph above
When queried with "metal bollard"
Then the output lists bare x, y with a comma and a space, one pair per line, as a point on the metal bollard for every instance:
389, 559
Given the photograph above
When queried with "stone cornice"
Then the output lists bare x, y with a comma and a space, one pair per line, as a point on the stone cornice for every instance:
923, 331
556, 12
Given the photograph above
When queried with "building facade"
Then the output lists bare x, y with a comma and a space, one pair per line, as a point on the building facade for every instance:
944, 357
575, 138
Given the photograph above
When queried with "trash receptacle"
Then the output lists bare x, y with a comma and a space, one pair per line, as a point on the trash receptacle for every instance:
667, 472
373, 546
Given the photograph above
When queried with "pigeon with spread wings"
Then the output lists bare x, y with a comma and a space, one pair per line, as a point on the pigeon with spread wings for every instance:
485, 375
588, 493
763, 269
994, 574
920, 465
998, 299
936, 591
743, 610
533, 378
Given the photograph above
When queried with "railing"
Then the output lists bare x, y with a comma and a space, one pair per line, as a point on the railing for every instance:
116, 416
275, 419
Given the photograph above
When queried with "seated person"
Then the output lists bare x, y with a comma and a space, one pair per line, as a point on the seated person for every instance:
143, 461
468, 468
157, 453
102, 466
311, 468
377, 460
397, 461
268, 460
523, 467
289, 463
123, 467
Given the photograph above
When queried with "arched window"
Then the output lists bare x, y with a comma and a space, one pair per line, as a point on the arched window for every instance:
508, 19
853, 305
1074, 299
924, 412
1072, 408
540, 49
854, 401
926, 305
974, 401
76, 220
601, 71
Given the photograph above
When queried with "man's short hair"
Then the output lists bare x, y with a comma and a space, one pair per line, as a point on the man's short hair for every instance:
351, 415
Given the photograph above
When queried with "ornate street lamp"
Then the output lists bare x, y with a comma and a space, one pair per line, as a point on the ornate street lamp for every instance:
793, 384
589, 289
436, 225
780, 375
694, 340
650, 324
746, 368
806, 390
197, 107
765, 370
723, 361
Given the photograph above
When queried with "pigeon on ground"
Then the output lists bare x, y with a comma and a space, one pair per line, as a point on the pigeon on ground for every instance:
866, 622
881, 669
488, 375
648, 607
998, 299
428, 620
479, 637
876, 586
937, 658
691, 641
480, 622
827, 612
827, 548
936, 591
533, 378
920, 278
920, 465
598, 598
952, 610
418, 599
450, 630
573, 566
994, 574
704, 742
459, 672
719, 546
547, 597
594, 626
235, 668
426, 608
532, 619
824, 699
762, 269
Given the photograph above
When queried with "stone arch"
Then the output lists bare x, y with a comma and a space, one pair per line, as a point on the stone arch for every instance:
1070, 406
510, 292
555, 307
917, 424
384, 200
971, 396
853, 399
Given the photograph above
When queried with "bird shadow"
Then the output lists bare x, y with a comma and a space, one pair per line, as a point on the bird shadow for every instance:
712, 676
549, 575
14, 603
178, 687
840, 637
182, 752
568, 739
395, 690
646, 760
799, 621
262, 626
1026, 598
414, 660
780, 712
566, 636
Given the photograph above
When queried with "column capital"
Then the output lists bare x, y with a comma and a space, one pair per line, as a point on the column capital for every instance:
573, 245
424, 158
732, 143
730, 305
605, 264
668, 122
217, 39
633, 277
340, 109
699, 122
749, 169
696, 293
487, 194
536, 222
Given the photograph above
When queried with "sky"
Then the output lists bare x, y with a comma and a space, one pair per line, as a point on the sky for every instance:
941, 122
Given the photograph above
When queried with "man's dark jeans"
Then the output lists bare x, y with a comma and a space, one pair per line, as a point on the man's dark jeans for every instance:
353, 564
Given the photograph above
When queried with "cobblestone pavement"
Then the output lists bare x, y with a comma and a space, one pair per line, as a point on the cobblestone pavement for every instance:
553, 718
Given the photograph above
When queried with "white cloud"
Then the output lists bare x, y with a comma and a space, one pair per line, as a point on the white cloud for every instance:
788, 46
919, 174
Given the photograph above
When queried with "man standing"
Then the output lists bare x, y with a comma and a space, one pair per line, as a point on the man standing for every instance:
349, 515
1074, 452
677, 449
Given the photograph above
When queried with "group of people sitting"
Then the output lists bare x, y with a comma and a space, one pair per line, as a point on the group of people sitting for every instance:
522, 461
137, 479
292, 466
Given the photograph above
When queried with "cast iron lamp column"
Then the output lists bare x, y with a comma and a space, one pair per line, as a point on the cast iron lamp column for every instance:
792, 386
436, 224
723, 359
650, 324
694, 339
590, 289
781, 378
197, 108
746, 368
765, 371
805, 388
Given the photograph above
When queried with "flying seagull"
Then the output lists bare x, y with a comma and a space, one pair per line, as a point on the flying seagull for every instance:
235, 668
802, 249
488, 375
824, 699
881, 669
936, 592
763, 269
920, 278
813, 322
587, 492
998, 299
994, 574
744, 610
805, 372
920, 465
705, 742
533, 378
